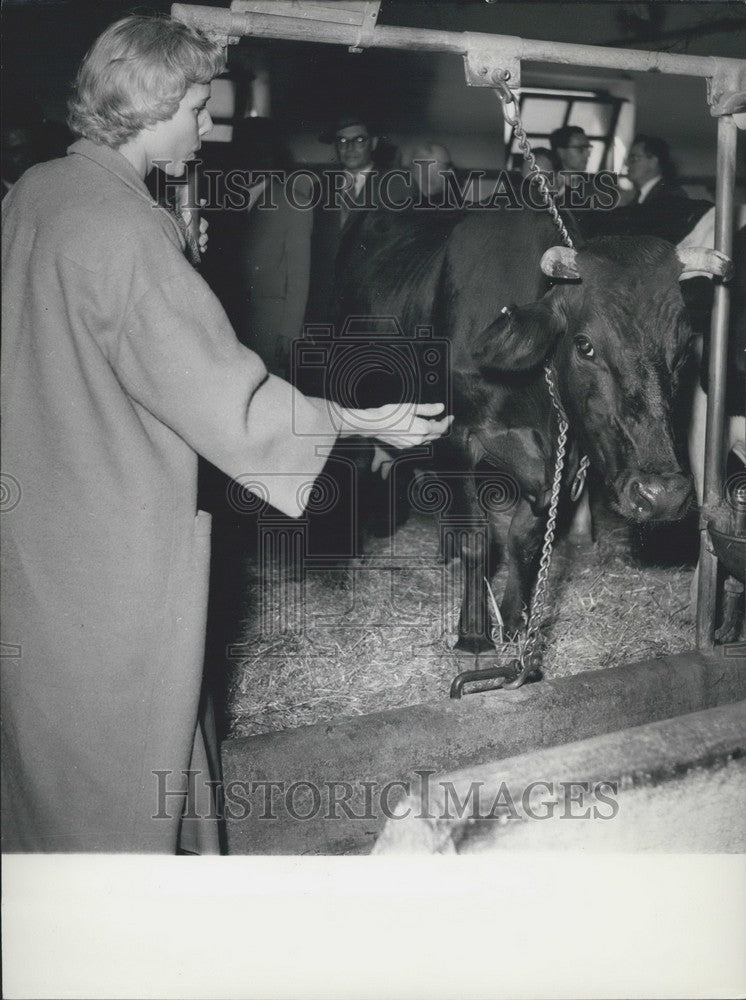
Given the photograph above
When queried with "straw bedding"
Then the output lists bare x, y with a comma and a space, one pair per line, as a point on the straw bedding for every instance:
379, 634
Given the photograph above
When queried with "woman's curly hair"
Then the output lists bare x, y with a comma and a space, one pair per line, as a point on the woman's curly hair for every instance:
135, 75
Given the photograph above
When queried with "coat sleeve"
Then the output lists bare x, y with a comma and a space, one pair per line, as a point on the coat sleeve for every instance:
178, 357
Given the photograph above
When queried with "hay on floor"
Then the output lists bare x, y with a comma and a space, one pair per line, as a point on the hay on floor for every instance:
380, 633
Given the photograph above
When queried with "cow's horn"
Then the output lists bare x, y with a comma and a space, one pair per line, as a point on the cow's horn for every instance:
703, 261
559, 262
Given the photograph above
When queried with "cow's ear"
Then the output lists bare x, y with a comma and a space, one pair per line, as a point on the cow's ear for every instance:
521, 336
702, 261
559, 263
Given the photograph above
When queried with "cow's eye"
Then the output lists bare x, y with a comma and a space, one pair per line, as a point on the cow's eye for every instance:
584, 347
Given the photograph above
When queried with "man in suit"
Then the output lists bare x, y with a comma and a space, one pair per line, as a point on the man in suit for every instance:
359, 182
662, 207
356, 185
571, 152
354, 146
651, 170
571, 148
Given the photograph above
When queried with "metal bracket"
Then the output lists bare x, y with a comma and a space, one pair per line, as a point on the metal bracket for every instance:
345, 16
486, 65
726, 92
222, 26
367, 28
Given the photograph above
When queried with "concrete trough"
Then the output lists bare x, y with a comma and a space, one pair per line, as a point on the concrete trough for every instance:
676, 786
329, 788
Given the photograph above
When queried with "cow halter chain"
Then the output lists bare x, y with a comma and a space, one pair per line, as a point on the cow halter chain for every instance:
506, 97
528, 660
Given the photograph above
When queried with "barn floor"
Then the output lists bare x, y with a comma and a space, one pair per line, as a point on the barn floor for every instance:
379, 634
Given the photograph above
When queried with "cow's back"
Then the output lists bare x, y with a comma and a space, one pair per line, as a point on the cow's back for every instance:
390, 263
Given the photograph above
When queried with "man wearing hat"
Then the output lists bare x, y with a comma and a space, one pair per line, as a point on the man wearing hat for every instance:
361, 185
360, 182
366, 184
354, 146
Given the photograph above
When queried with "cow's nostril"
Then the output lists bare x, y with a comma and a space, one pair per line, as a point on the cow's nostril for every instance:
642, 496
658, 497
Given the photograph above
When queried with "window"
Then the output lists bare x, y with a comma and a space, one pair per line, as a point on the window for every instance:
544, 110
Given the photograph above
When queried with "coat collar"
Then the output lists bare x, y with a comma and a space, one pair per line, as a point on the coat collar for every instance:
120, 167
112, 161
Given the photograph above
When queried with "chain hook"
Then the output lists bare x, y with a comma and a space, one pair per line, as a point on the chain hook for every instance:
506, 96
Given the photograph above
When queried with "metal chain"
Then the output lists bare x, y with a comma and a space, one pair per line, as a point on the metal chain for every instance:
506, 96
579, 481
537, 604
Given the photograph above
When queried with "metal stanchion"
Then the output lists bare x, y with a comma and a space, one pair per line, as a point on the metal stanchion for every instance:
714, 458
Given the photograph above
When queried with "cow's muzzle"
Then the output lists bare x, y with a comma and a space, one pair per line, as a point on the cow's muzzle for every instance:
646, 497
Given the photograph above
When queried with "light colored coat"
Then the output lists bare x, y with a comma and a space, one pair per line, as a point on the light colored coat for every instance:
119, 367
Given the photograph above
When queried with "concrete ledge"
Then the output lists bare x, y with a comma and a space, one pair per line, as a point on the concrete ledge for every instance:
676, 785
364, 755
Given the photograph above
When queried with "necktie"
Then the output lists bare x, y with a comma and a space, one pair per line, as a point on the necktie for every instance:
353, 192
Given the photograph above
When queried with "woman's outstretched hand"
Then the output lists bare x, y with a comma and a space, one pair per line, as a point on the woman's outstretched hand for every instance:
399, 425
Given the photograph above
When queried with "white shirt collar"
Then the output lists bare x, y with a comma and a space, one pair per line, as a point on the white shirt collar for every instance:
255, 192
357, 179
646, 188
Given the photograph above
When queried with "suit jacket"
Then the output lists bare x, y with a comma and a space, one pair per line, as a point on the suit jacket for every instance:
664, 191
335, 214
669, 216
119, 367
274, 256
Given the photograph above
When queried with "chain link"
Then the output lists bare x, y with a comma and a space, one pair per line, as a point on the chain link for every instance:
528, 661
528, 657
506, 96
579, 481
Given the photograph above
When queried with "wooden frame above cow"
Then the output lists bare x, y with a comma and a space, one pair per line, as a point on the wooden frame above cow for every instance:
726, 80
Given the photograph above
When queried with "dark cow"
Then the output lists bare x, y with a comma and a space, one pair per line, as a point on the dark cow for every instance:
611, 324
688, 222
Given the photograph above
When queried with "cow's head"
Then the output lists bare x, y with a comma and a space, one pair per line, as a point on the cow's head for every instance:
616, 328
